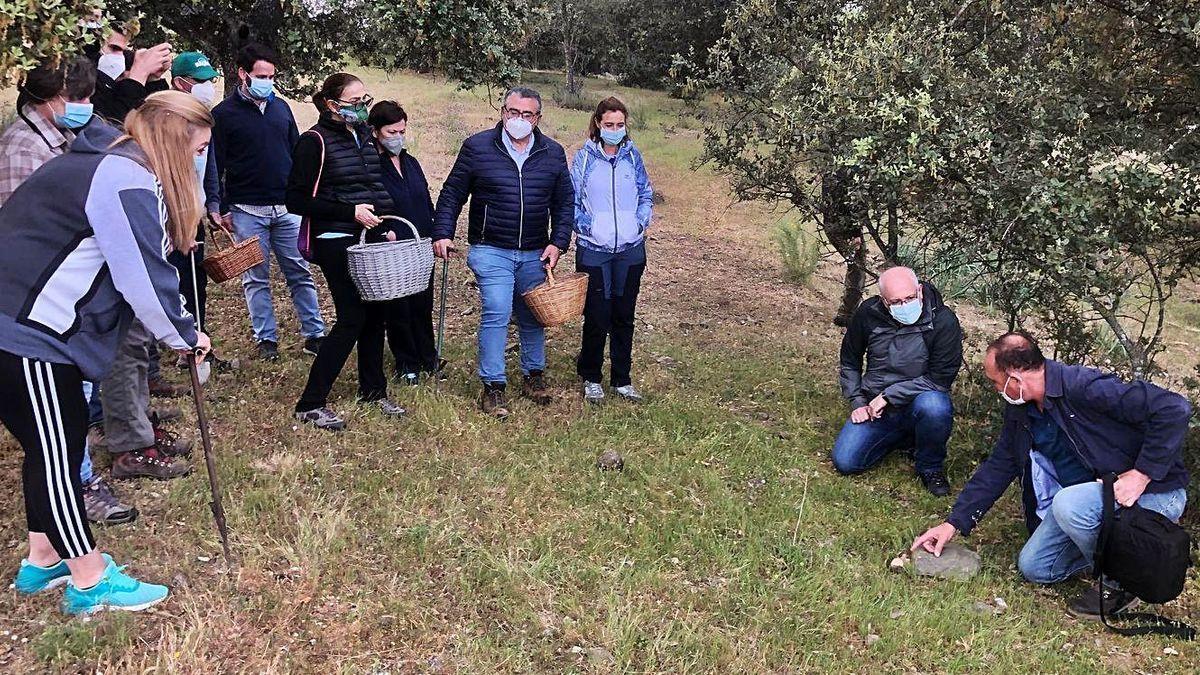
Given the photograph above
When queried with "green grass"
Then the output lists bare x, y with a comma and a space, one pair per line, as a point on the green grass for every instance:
453, 542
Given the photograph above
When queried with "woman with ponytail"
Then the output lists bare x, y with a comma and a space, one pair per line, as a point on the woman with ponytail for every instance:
336, 185
83, 244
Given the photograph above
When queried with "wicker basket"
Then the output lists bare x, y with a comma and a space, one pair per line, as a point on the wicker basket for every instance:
391, 269
232, 261
558, 300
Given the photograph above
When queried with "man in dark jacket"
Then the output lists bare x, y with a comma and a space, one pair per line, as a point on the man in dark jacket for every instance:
913, 348
1065, 427
521, 216
124, 77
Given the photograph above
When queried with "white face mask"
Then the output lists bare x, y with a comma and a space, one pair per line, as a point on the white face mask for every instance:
518, 128
112, 65
205, 92
1020, 398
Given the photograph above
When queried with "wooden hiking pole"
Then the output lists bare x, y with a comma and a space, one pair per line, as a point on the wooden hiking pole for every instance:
210, 462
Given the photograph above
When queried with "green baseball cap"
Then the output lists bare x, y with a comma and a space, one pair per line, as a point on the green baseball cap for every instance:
194, 65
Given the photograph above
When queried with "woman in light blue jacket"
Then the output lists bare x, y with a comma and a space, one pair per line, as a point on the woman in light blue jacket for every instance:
613, 207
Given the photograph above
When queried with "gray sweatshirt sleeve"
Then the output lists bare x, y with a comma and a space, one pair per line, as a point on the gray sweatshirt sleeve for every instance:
126, 211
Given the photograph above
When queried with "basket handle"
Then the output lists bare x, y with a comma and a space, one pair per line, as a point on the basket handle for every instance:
550, 276
212, 232
362, 238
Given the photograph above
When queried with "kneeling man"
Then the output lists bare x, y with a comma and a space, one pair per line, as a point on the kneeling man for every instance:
1064, 427
913, 348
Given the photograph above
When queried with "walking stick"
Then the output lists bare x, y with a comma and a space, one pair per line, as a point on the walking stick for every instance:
210, 462
204, 369
437, 377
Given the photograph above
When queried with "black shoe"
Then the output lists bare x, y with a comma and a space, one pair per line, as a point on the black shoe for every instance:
936, 483
1087, 604
268, 350
313, 345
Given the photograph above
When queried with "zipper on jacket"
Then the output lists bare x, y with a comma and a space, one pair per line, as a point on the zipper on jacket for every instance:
521, 187
483, 232
616, 230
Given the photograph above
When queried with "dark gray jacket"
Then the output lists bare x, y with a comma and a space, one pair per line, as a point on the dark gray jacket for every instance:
901, 361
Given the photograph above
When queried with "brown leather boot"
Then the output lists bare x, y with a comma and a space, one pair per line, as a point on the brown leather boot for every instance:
534, 388
492, 401
148, 463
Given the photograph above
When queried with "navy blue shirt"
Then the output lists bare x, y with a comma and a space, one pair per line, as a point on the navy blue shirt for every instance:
410, 194
254, 150
1049, 440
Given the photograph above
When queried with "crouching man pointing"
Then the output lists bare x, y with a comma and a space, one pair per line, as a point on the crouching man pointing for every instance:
1064, 427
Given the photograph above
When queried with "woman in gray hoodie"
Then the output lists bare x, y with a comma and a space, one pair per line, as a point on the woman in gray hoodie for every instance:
83, 245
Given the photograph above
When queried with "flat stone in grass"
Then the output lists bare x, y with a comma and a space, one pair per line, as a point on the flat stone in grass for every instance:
610, 460
956, 562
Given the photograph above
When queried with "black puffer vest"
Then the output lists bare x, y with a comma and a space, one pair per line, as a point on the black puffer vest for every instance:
352, 173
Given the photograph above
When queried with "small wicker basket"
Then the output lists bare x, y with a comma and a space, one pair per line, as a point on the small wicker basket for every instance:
557, 301
233, 261
391, 269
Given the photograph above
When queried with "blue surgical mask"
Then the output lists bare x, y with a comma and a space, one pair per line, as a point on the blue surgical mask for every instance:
261, 88
201, 162
613, 137
74, 116
907, 313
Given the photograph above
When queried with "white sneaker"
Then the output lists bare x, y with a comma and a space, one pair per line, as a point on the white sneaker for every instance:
629, 393
593, 392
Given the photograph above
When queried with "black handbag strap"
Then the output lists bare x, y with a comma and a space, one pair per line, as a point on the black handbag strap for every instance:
1151, 623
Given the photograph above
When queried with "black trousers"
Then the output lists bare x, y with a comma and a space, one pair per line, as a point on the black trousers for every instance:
608, 319
410, 332
42, 405
195, 296
357, 323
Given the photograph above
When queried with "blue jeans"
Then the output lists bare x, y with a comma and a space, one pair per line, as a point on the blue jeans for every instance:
1066, 540
503, 275
277, 233
924, 424
85, 469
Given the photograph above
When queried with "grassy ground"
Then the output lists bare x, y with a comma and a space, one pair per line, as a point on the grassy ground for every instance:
453, 543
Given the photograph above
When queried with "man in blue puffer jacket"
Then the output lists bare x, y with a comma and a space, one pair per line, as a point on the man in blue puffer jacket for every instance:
520, 220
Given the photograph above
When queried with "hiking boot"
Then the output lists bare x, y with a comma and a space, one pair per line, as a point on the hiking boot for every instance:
170, 444
162, 389
492, 401
629, 393
148, 463
312, 345
102, 505
35, 578
1087, 604
115, 591
389, 408
534, 388
936, 483
268, 350
322, 418
160, 416
593, 392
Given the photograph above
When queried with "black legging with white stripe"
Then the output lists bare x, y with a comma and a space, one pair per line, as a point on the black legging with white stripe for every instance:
42, 405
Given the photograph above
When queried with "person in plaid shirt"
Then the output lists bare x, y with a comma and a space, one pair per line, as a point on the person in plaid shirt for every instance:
53, 102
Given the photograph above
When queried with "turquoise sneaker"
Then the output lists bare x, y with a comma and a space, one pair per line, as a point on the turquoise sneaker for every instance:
33, 579
115, 591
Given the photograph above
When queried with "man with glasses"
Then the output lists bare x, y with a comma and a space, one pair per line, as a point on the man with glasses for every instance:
913, 348
519, 223
253, 137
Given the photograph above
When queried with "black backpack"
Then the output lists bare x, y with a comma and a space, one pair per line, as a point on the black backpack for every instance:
1149, 556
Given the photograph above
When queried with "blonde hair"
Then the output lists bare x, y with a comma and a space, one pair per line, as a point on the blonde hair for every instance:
162, 127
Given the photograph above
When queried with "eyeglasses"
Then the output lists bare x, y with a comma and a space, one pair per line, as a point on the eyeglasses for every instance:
366, 100
526, 115
901, 301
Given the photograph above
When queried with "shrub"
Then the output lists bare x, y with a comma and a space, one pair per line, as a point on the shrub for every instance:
800, 251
